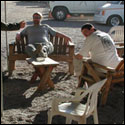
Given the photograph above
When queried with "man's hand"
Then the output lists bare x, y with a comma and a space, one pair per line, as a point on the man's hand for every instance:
22, 24
78, 56
18, 37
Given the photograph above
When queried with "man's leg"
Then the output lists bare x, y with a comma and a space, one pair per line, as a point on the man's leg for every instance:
50, 47
33, 50
46, 49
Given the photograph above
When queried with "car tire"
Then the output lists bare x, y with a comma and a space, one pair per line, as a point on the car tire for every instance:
114, 20
60, 13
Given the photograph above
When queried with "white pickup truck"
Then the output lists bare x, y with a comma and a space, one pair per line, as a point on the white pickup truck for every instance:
60, 9
111, 14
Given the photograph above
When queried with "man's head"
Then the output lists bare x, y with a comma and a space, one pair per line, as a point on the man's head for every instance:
37, 17
87, 29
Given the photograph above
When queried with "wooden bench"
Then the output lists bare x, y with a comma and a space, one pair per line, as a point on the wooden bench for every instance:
43, 69
63, 51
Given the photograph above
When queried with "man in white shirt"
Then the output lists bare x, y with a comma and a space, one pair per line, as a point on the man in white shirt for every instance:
99, 46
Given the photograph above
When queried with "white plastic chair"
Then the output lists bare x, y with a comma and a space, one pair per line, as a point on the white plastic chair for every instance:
72, 109
117, 33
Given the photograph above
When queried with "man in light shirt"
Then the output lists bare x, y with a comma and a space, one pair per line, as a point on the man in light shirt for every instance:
38, 37
99, 46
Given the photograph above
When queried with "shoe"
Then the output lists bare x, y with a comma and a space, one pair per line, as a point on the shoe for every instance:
43, 53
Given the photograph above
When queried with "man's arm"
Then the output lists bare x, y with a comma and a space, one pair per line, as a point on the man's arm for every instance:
12, 27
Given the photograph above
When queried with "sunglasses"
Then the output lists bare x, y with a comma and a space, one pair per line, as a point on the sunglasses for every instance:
36, 17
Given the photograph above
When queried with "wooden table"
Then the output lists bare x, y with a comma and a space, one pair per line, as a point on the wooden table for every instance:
43, 69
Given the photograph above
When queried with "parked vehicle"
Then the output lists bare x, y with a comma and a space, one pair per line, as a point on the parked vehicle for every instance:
60, 9
111, 13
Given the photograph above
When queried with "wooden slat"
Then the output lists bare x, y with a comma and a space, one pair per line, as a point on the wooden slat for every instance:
118, 74
52, 39
56, 46
88, 78
119, 43
60, 46
103, 67
118, 80
23, 46
65, 46
18, 46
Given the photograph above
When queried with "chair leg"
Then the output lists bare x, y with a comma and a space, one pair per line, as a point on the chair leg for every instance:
106, 91
71, 68
95, 116
49, 117
68, 121
11, 67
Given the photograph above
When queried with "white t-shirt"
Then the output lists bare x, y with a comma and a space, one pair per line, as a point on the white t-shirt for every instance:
100, 47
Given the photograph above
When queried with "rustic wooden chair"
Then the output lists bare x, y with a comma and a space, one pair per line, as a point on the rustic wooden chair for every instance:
90, 74
73, 109
63, 51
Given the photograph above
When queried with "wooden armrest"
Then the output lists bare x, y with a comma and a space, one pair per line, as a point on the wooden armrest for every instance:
71, 44
104, 67
89, 61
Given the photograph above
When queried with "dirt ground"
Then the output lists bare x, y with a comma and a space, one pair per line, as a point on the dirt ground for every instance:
22, 103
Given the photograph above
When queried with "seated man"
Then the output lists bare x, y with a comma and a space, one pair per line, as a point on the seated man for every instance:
99, 46
38, 37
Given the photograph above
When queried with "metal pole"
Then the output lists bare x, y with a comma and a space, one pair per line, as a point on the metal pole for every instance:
6, 34
1, 95
1, 64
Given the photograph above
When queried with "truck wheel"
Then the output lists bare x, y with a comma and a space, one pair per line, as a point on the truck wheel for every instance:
115, 20
59, 13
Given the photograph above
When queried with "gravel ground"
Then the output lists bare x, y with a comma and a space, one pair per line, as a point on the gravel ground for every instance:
22, 104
